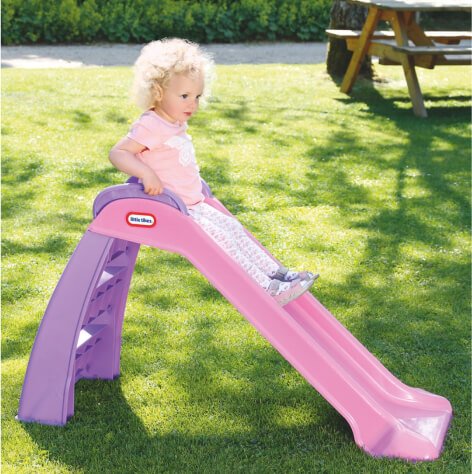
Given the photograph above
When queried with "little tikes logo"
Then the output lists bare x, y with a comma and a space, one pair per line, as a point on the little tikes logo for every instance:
138, 219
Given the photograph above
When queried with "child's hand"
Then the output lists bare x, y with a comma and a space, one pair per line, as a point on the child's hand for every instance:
152, 184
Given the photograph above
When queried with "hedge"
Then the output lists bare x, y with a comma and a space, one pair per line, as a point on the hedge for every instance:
124, 21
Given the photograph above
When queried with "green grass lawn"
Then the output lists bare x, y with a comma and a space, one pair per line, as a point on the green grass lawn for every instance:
356, 188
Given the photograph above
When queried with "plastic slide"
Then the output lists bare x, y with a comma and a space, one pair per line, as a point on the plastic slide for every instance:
80, 334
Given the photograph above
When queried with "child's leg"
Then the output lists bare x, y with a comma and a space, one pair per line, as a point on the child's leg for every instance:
229, 238
229, 246
234, 231
252, 251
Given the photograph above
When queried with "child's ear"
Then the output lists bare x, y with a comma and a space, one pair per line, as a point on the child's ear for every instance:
158, 92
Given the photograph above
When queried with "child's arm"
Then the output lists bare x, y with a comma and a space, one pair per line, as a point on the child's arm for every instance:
122, 156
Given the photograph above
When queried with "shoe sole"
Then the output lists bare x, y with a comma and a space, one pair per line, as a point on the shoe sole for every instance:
295, 295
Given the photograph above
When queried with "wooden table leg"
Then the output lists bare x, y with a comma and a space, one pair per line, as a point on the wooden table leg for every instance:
417, 35
361, 50
414, 90
399, 26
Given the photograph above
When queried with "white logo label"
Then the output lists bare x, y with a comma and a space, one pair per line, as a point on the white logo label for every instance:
140, 220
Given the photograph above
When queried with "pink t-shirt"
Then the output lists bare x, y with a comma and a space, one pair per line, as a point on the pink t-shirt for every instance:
170, 153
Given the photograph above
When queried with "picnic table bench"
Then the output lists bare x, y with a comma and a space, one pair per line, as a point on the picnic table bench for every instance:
407, 44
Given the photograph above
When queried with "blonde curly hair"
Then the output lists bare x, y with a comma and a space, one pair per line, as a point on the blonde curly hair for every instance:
160, 60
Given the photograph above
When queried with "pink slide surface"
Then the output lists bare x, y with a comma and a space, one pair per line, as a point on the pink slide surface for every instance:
387, 417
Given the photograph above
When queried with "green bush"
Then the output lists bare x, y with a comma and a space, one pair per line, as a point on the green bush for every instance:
90, 20
53, 21
60, 20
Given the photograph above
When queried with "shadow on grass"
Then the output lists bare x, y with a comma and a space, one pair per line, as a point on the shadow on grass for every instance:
115, 117
385, 103
16, 347
81, 118
54, 244
87, 178
106, 435
16, 172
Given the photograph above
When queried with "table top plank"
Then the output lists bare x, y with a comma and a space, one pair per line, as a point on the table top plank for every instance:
458, 35
425, 49
417, 5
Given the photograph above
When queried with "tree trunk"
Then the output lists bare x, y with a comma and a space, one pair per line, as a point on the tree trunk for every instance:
351, 17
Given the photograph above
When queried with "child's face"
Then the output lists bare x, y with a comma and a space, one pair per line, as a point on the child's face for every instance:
180, 98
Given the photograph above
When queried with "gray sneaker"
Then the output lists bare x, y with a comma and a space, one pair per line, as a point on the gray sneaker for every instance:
284, 292
281, 275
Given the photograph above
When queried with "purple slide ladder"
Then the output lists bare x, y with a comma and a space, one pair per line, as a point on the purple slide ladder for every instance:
80, 334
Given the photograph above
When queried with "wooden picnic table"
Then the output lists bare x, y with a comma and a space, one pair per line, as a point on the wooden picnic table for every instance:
412, 46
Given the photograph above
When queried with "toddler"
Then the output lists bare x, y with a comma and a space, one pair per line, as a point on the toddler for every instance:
171, 78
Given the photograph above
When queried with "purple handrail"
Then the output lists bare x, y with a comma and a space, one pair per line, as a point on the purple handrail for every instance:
134, 189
